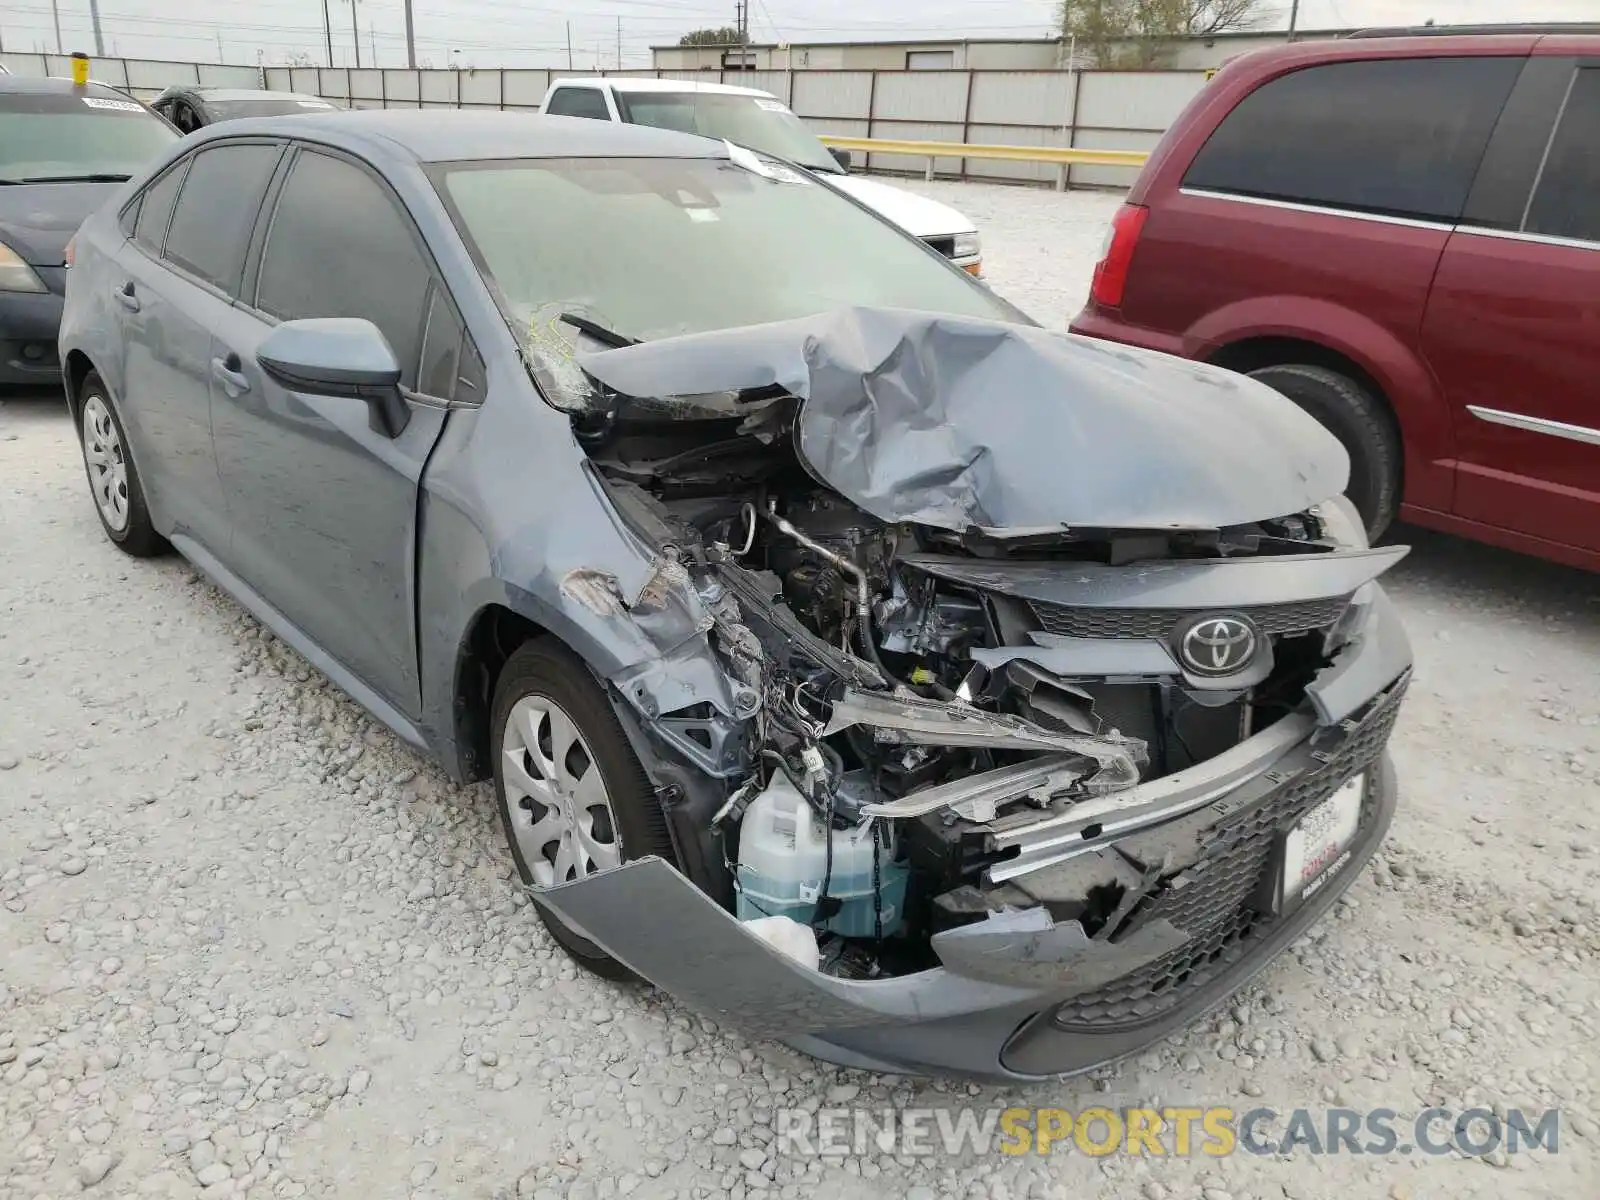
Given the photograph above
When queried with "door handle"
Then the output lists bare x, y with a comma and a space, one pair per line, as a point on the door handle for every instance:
226, 371
125, 296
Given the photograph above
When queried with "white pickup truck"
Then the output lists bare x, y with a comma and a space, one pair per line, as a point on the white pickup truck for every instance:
760, 121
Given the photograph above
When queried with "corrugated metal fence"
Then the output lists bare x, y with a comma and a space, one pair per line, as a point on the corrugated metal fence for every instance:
1116, 110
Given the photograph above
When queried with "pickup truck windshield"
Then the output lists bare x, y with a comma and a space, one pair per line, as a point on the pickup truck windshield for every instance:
45, 137
653, 248
759, 122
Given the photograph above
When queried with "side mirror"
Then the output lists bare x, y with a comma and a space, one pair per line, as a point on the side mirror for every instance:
842, 157
339, 356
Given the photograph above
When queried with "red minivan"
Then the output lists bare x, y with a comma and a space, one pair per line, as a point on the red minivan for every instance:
1402, 235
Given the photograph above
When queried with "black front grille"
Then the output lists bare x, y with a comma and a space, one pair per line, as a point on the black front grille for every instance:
1159, 623
1213, 901
944, 245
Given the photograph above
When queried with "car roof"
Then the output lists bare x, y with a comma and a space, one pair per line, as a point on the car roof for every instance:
223, 95
34, 85
451, 135
626, 84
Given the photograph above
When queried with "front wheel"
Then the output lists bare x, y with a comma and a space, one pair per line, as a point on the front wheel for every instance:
113, 479
572, 795
1361, 422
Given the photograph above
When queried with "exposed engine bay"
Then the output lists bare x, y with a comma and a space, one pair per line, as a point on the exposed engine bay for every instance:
921, 735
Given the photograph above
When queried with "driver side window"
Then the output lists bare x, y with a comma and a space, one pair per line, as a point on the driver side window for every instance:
340, 246
183, 116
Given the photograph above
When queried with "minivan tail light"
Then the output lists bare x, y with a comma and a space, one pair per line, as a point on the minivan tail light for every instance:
67, 255
1111, 272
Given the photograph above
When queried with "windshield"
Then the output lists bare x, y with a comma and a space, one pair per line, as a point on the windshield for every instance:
759, 122
62, 135
227, 110
654, 248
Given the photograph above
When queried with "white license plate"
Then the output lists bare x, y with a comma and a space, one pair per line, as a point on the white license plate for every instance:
1320, 844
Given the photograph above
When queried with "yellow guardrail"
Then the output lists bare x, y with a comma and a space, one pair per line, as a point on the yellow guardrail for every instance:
1062, 156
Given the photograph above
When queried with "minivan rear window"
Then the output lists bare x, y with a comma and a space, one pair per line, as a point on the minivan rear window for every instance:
1401, 137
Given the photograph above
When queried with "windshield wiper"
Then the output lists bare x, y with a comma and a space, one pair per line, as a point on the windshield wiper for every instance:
98, 177
598, 332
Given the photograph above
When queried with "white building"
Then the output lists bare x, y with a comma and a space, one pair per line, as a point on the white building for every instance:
971, 54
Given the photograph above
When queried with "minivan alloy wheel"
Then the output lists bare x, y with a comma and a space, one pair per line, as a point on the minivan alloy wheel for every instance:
108, 467
560, 812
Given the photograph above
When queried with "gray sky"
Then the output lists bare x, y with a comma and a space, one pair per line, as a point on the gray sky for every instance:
510, 33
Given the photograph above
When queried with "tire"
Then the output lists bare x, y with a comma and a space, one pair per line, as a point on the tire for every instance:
114, 483
542, 683
1361, 422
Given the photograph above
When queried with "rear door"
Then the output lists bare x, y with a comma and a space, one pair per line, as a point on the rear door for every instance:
325, 508
1513, 323
175, 281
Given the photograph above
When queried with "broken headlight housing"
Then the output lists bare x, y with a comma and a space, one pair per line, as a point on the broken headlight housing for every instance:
1342, 523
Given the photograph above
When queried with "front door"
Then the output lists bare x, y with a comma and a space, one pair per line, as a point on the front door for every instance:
324, 508
1513, 333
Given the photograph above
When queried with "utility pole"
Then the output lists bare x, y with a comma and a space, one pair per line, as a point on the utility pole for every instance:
1294, 17
355, 33
569, 45
327, 30
219, 46
55, 11
99, 39
411, 41
619, 43
372, 42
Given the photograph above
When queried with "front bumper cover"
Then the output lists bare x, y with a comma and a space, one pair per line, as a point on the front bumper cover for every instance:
29, 324
1018, 997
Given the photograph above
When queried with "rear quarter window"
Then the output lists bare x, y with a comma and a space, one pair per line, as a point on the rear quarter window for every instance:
1401, 137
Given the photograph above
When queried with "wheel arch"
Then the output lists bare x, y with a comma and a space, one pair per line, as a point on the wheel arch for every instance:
491, 637
1280, 330
76, 367
1254, 353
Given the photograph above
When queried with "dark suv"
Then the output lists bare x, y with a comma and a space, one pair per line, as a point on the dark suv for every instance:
1402, 234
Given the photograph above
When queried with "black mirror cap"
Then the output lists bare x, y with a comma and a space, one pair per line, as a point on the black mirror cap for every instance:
387, 412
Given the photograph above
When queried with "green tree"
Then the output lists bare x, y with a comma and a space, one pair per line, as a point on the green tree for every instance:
725, 36
1136, 33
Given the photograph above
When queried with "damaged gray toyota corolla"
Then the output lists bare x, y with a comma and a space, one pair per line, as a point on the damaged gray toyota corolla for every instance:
854, 660
1055, 686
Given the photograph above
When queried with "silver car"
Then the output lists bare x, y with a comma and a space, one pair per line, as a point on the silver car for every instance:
851, 657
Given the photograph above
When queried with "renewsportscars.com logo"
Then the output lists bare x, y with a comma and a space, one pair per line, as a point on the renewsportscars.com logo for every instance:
1170, 1131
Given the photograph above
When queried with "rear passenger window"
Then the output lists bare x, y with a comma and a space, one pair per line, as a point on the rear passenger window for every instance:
578, 102
217, 209
1566, 200
1400, 136
155, 209
339, 246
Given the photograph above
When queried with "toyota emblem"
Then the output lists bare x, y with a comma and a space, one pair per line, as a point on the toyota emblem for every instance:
1217, 645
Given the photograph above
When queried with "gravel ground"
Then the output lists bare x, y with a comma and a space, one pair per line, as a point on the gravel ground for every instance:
250, 944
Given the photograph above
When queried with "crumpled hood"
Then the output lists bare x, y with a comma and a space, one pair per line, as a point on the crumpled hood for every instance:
38, 219
917, 215
963, 424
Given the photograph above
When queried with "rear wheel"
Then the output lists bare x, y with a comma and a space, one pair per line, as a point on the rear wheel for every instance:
1361, 422
113, 479
572, 795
